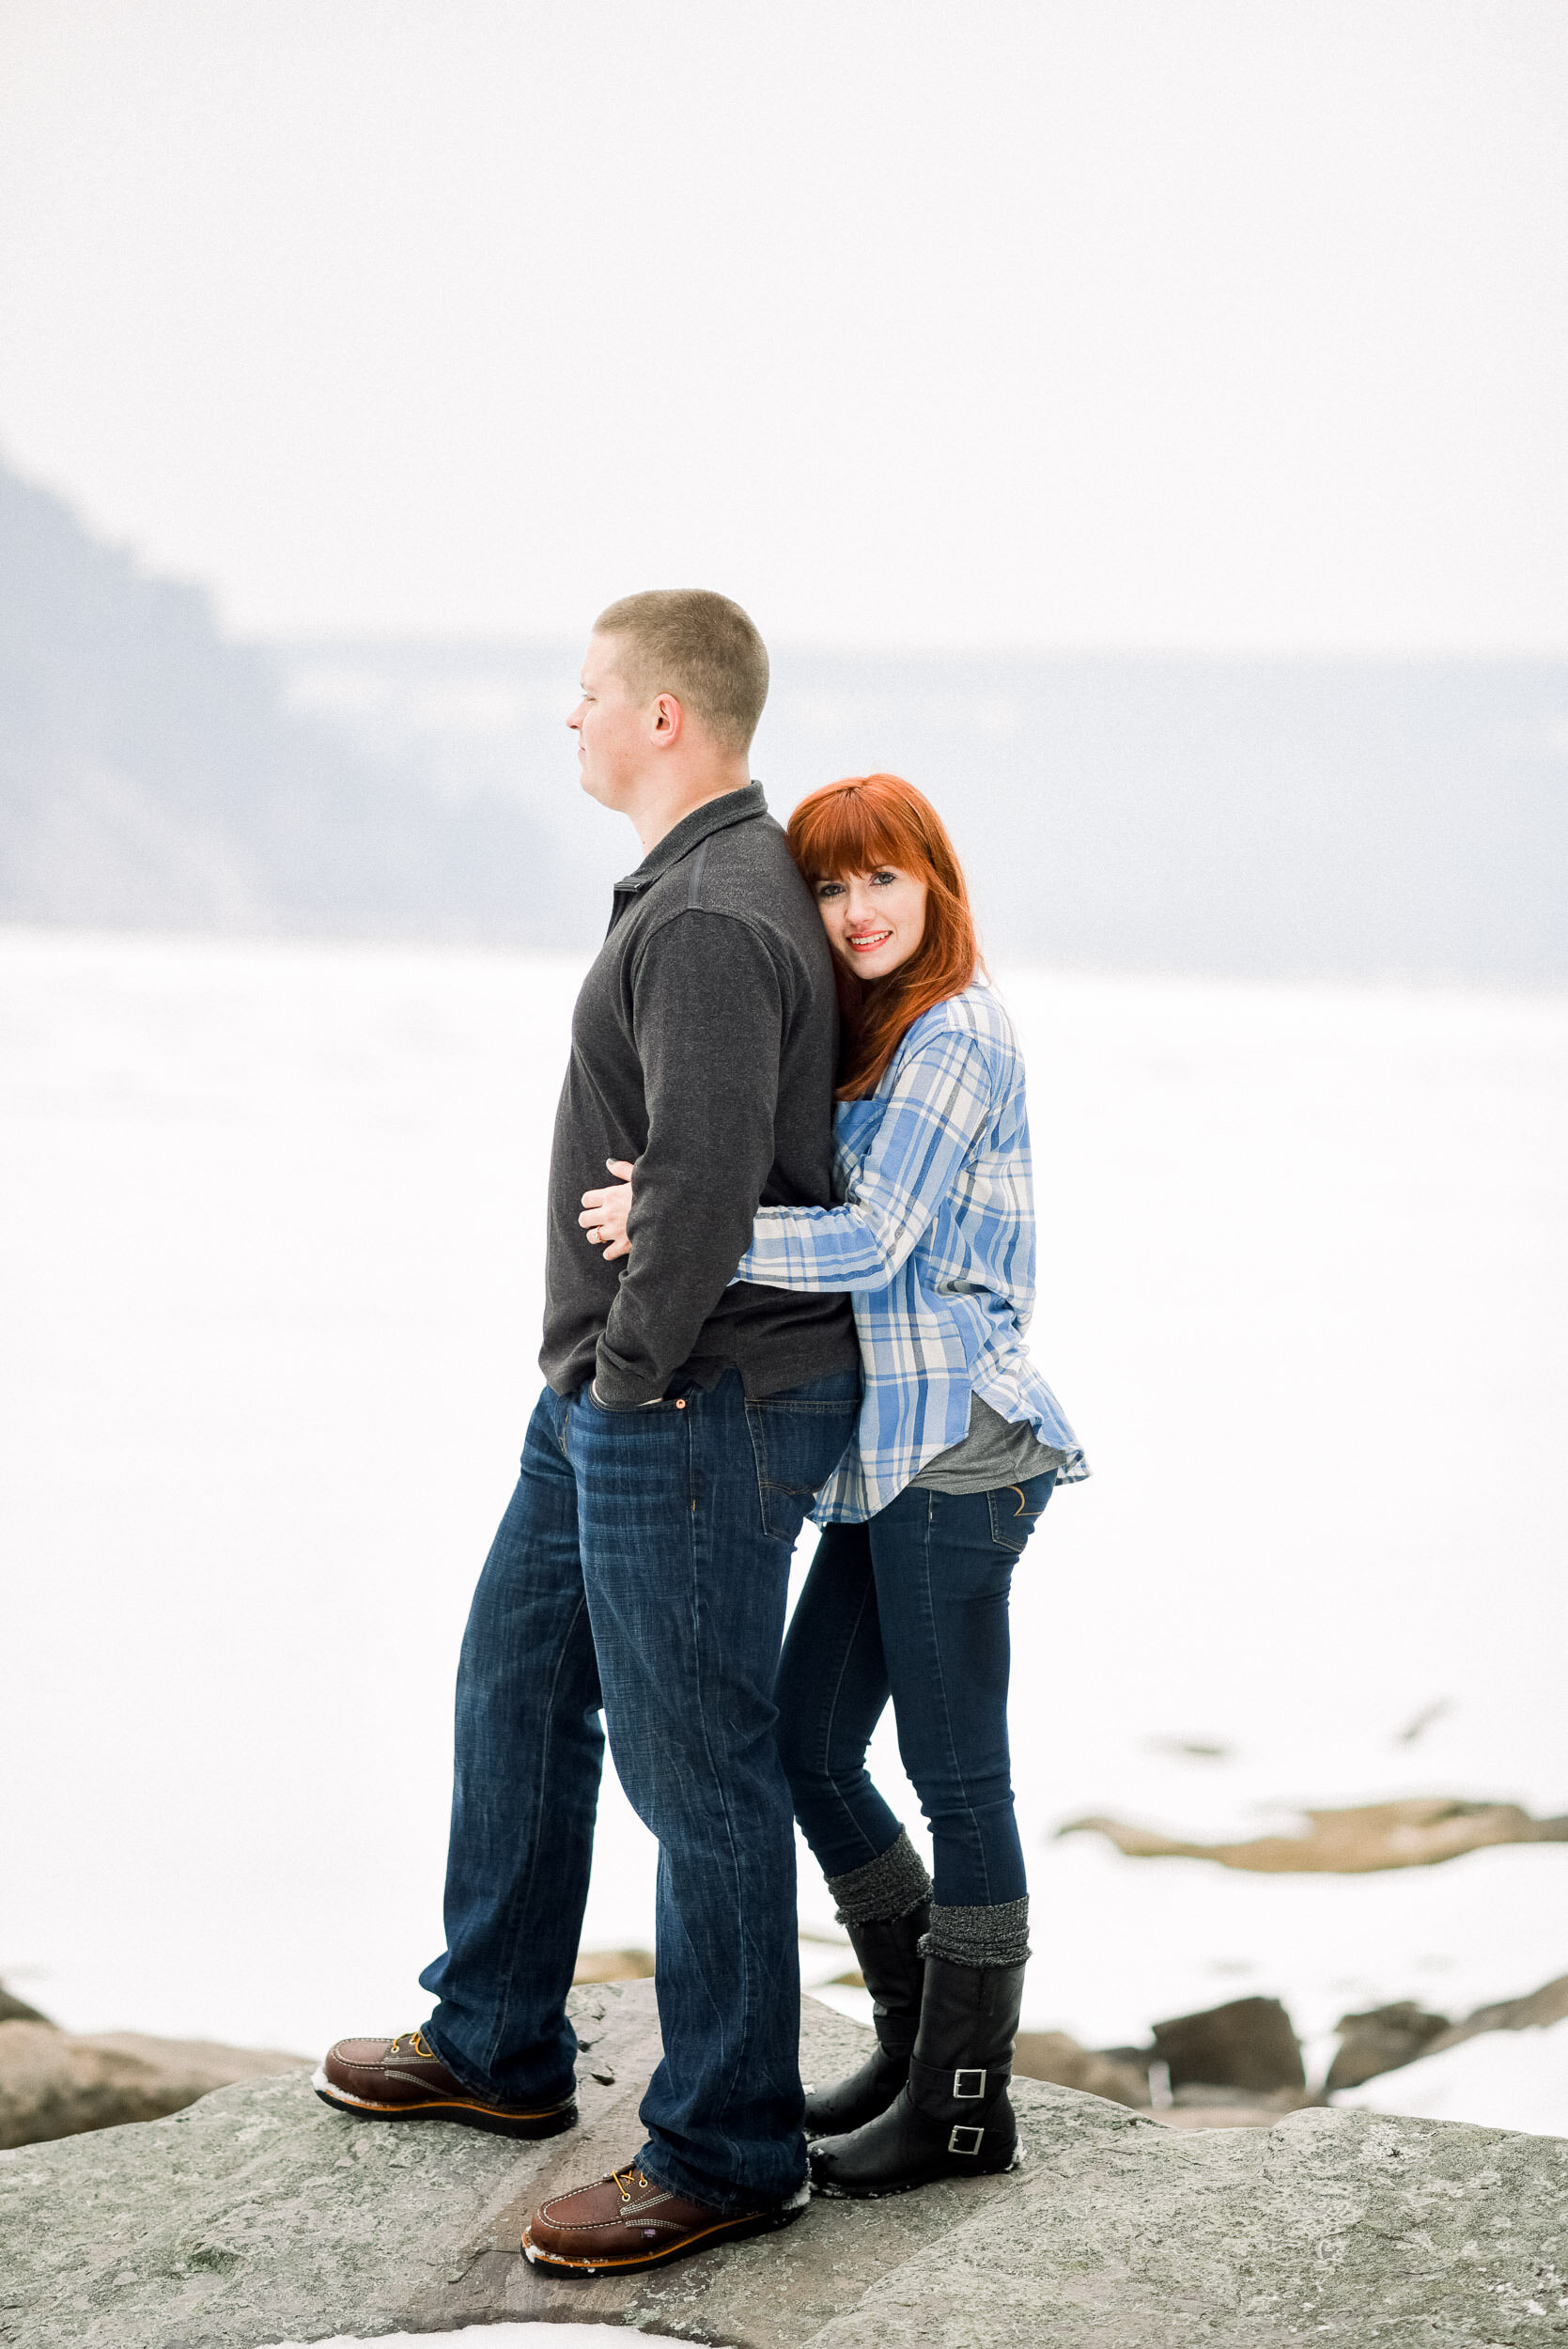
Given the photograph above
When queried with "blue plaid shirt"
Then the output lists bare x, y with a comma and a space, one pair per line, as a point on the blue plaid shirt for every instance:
935, 1240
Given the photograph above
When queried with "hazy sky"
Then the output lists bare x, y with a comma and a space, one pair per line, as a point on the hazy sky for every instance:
1223, 323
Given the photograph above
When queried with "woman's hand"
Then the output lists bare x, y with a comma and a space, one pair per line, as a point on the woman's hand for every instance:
604, 1212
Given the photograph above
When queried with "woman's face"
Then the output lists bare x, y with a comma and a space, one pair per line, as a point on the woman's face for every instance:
875, 921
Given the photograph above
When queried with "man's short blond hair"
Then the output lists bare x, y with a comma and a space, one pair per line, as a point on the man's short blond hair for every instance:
697, 646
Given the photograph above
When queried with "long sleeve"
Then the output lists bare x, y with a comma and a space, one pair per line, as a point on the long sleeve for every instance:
936, 1108
709, 1016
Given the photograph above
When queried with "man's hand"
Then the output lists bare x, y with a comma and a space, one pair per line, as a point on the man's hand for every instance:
604, 1212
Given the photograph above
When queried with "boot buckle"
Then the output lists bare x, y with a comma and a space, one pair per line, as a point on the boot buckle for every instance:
960, 2091
964, 2130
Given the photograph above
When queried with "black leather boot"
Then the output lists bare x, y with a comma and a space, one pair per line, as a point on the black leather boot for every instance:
894, 1974
952, 2118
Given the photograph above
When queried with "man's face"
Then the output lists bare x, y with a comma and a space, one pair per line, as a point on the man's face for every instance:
613, 732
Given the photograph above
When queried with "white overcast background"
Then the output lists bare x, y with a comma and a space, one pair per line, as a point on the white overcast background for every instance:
1220, 326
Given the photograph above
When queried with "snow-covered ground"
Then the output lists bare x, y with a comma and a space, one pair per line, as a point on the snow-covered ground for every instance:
269, 1219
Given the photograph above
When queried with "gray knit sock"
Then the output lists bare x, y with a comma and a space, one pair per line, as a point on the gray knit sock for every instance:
888, 1886
997, 1934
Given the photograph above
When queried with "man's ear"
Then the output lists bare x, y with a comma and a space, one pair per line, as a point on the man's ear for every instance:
668, 717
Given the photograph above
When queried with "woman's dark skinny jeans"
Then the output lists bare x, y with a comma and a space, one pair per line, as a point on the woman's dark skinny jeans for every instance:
912, 1605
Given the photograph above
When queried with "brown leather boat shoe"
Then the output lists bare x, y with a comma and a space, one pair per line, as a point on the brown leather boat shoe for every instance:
625, 2222
403, 2079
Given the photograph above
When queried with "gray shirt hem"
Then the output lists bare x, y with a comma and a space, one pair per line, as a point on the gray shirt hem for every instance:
996, 1452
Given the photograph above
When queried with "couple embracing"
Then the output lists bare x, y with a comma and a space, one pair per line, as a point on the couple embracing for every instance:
804, 1291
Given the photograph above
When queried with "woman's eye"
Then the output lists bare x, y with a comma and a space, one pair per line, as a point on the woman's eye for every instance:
829, 889
881, 879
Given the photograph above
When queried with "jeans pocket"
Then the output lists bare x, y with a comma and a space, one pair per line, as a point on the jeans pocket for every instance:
797, 1446
630, 1410
1017, 1510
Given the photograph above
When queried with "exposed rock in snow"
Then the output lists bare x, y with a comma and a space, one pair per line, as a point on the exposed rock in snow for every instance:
1056, 2056
54, 2083
614, 1966
1389, 2038
1246, 2043
1415, 1832
1541, 2008
15, 2009
1500, 2079
1381, 2039
261, 2216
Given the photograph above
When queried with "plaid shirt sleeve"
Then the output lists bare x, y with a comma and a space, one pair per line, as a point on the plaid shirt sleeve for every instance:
936, 1107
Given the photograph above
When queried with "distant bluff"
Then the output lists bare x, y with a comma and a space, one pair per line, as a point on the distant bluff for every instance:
153, 775
1231, 816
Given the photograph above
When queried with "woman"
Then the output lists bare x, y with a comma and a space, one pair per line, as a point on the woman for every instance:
959, 1445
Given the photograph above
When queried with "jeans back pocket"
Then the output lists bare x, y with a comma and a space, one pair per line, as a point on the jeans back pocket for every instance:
1017, 1510
797, 1446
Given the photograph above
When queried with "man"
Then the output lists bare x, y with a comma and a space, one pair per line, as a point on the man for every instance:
643, 1563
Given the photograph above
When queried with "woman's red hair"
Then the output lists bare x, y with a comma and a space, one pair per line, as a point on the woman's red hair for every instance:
855, 827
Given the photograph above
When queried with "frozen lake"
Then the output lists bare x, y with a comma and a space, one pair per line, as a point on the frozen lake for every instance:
271, 1224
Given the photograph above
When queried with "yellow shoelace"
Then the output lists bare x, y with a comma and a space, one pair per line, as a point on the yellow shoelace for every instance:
417, 2041
620, 2176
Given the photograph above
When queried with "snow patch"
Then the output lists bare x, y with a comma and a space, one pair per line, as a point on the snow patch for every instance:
1502, 2079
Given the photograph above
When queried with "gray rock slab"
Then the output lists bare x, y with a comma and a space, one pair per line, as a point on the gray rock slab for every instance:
54, 2083
260, 2216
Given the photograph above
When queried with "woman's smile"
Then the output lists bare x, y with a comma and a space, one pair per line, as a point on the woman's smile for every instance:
875, 921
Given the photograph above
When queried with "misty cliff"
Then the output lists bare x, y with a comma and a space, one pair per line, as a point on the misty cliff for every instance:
152, 773
1261, 818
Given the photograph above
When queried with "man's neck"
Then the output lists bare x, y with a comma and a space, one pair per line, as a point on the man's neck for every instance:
654, 821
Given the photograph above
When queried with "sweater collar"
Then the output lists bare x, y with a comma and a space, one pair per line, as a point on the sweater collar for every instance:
730, 807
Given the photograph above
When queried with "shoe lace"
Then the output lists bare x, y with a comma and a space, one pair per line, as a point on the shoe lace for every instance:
621, 2177
418, 2044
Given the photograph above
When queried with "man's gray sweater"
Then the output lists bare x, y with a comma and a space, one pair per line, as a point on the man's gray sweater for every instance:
703, 1048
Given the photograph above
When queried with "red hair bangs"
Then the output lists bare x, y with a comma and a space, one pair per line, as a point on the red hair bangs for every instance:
855, 827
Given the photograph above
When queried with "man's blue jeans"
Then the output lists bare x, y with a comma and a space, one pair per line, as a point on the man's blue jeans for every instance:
642, 1567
